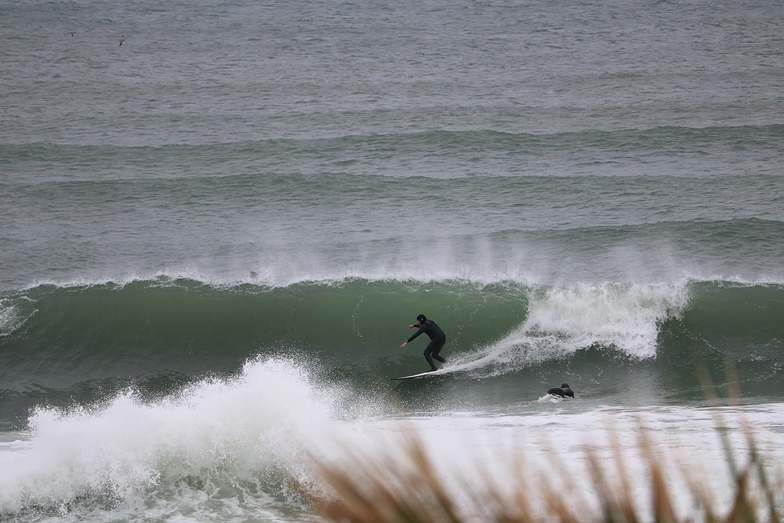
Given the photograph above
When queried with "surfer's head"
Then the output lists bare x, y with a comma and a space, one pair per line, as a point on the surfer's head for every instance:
564, 385
421, 318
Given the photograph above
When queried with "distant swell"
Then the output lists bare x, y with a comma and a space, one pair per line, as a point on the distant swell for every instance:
355, 153
436, 136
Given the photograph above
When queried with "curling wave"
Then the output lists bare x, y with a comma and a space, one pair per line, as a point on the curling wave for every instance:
55, 336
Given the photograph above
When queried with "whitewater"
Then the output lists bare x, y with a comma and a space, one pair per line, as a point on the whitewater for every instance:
204, 454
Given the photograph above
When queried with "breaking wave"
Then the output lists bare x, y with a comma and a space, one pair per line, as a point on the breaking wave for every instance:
144, 329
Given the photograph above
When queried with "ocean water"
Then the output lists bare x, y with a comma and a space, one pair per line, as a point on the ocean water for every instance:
218, 218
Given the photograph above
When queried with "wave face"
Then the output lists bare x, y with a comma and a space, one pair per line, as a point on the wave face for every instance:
84, 341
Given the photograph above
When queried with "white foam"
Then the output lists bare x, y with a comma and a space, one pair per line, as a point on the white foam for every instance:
12, 316
126, 447
563, 320
550, 398
515, 269
222, 433
624, 316
8, 316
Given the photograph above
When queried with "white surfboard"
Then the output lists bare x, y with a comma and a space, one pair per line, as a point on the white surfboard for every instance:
420, 375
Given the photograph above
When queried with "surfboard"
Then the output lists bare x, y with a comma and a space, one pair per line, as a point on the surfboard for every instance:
415, 376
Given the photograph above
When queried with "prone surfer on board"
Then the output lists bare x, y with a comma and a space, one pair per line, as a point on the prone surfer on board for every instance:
436, 335
563, 391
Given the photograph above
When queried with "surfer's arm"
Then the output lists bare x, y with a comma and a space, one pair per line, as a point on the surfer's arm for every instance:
413, 336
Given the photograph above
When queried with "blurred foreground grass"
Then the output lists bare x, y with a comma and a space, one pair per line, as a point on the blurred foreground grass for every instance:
394, 490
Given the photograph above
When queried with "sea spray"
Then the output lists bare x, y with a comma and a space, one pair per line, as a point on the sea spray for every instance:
561, 321
610, 314
14, 312
8, 317
237, 429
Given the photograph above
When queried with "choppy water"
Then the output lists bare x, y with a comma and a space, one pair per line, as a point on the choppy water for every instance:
206, 206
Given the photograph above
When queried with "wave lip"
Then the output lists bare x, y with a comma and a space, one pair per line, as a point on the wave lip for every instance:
557, 253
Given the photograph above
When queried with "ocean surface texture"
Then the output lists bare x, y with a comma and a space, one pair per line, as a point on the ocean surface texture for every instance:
218, 218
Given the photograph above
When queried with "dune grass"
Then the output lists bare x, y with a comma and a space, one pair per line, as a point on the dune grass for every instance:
394, 490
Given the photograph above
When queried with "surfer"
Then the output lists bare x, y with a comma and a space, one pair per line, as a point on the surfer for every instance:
562, 391
436, 335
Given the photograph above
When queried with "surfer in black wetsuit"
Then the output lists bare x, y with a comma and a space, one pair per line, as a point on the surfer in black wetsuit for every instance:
436, 335
563, 391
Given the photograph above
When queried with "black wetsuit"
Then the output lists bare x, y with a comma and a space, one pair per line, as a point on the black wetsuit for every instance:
562, 392
437, 340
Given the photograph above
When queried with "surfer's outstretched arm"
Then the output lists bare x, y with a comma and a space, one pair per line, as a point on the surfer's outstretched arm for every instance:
419, 331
